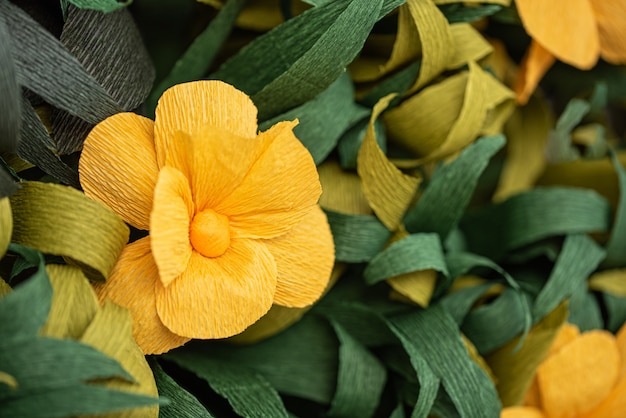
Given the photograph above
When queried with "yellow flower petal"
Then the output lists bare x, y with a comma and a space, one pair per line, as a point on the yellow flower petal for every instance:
304, 260
220, 297
613, 406
535, 64
188, 107
620, 338
118, 166
609, 16
279, 190
565, 28
169, 224
132, 285
521, 412
578, 377
220, 160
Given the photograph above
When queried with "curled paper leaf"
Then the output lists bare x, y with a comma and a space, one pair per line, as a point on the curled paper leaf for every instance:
470, 45
342, 191
388, 190
609, 281
6, 225
10, 115
62, 221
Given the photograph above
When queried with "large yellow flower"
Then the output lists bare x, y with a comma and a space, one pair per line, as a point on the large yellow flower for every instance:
583, 376
233, 220
576, 32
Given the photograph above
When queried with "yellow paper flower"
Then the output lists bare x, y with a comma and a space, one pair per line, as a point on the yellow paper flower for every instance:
583, 376
576, 32
232, 215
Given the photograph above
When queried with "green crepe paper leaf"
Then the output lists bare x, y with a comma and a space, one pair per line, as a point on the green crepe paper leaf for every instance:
360, 381
299, 59
615, 311
616, 247
534, 215
111, 49
36, 147
350, 143
301, 361
8, 186
446, 197
584, 310
6, 225
388, 5
182, 403
47, 68
398, 83
413, 253
62, 221
456, 12
357, 238
105, 6
197, 59
579, 257
433, 335
459, 303
492, 325
26, 316
248, 392
324, 119
559, 147
10, 117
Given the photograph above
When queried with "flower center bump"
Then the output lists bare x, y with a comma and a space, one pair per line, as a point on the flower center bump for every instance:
210, 233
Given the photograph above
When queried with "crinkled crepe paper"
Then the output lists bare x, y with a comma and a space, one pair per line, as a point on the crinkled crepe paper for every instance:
105, 6
585, 312
37, 147
299, 59
616, 247
182, 403
7, 183
527, 133
105, 44
534, 215
609, 281
615, 311
342, 191
51, 373
455, 111
6, 225
47, 68
197, 59
357, 238
432, 336
388, 190
301, 361
322, 120
514, 366
559, 147
445, 199
10, 115
360, 381
62, 221
579, 257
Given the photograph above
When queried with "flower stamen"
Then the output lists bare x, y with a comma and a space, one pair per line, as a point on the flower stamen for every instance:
209, 233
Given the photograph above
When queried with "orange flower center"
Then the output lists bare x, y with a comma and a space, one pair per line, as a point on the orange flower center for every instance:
210, 233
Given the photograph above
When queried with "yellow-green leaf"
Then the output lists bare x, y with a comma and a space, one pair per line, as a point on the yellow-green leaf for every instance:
6, 225
609, 281
470, 45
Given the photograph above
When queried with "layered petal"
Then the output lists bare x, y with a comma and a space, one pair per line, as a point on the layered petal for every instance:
219, 297
118, 166
576, 379
534, 66
609, 16
188, 107
304, 260
169, 224
565, 28
219, 162
521, 412
280, 188
132, 285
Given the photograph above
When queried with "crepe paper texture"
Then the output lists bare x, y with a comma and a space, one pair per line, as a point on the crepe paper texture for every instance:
232, 215
312, 208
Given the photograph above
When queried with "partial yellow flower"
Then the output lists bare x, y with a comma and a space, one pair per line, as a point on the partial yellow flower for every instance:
583, 376
232, 215
577, 32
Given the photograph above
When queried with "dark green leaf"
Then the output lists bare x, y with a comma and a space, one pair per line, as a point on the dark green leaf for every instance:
457, 12
357, 237
105, 6
10, 117
616, 247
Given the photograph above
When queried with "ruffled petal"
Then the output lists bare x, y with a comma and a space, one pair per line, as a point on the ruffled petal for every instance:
521, 412
279, 190
613, 406
580, 375
169, 224
535, 64
220, 162
304, 260
220, 297
188, 107
118, 166
131, 285
609, 16
565, 28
